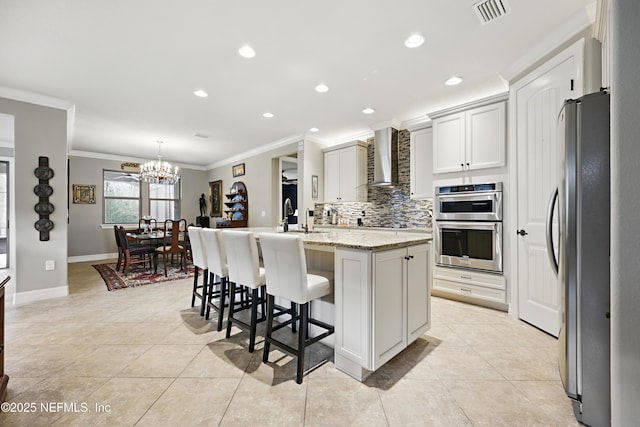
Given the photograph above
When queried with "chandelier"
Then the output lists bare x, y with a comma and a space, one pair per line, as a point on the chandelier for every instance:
159, 171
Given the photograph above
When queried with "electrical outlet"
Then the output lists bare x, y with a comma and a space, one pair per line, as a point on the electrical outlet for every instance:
263, 213
49, 265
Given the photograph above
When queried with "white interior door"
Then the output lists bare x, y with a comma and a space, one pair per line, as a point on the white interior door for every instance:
539, 99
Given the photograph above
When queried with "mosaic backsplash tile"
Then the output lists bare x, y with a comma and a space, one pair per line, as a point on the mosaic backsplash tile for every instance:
386, 207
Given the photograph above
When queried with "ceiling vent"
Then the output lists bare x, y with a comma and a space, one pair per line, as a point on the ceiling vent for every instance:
490, 10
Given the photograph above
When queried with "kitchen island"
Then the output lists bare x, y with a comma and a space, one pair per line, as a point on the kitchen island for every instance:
381, 301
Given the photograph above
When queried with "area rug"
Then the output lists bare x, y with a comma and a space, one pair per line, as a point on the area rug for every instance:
138, 275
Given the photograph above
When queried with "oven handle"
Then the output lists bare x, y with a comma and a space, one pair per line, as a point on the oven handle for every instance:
550, 251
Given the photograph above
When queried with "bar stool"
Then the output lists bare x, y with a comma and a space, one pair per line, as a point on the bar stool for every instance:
244, 270
217, 263
199, 262
286, 266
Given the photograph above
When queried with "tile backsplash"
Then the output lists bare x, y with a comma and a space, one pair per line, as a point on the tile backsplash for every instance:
386, 207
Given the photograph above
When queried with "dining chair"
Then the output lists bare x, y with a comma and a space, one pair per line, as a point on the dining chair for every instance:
148, 222
135, 254
217, 262
172, 242
119, 246
287, 277
199, 258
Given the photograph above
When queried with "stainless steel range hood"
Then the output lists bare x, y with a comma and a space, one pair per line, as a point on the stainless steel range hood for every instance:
385, 157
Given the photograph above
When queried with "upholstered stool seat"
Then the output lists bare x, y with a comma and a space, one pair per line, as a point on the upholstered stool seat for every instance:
244, 270
199, 263
217, 262
288, 278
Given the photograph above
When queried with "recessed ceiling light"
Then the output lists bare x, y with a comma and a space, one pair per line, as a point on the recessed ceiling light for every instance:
322, 88
452, 81
414, 40
368, 110
268, 115
314, 130
201, 93
247, 52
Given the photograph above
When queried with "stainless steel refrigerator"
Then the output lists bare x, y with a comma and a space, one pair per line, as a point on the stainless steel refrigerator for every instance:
582, 266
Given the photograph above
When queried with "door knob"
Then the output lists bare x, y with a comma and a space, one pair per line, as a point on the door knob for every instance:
522, 232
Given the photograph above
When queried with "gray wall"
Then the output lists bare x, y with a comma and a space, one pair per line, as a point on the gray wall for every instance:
625, 213
39, 131
261, 181
86, 236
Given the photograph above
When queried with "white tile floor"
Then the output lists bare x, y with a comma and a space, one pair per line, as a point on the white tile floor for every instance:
149, 358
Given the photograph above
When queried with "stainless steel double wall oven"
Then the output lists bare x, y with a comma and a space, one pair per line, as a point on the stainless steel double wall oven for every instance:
468, 226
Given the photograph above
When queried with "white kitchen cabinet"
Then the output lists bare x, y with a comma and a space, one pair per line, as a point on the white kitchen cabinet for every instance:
388, 296
401, 300
469, 140
421, 163
471, 284
418, 291
345, 173
389, 305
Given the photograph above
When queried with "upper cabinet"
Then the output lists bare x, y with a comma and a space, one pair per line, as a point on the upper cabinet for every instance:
470, 139
345, 173
421, 163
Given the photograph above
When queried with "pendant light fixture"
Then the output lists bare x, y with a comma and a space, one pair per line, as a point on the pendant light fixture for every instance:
159, 171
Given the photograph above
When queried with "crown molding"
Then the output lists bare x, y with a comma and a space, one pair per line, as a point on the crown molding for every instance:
503, 96
103, 156
34, 98
362, 136
561, 35
392, 123
416, 123
260, 150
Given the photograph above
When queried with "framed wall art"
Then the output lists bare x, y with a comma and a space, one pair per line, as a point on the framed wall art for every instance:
238, 170
84, 194
314, 186
215, 196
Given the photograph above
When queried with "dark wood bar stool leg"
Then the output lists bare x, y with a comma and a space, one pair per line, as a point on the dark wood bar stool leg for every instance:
267, 344
223, 291
232, 298
255, 300
302, 338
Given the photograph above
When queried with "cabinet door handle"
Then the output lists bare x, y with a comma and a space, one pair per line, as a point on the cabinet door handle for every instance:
468, 291
466, 277
407, 258
462, 165
410, 256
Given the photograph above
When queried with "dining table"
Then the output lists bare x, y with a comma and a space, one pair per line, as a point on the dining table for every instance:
155, 239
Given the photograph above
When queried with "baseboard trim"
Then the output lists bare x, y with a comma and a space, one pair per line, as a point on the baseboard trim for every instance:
20, 298
94, 257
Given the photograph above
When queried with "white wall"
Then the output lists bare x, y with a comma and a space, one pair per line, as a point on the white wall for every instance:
311, 162
625, 213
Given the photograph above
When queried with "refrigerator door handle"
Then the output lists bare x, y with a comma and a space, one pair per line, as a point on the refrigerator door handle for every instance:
550, 251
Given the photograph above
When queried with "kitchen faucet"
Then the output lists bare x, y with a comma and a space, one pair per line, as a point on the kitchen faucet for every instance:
305, 227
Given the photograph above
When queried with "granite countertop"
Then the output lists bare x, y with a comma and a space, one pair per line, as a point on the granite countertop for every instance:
354, 238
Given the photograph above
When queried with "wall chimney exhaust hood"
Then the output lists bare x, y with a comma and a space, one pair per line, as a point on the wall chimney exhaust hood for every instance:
385, 157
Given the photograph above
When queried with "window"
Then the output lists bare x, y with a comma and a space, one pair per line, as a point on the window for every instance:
121, 197
164, 201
